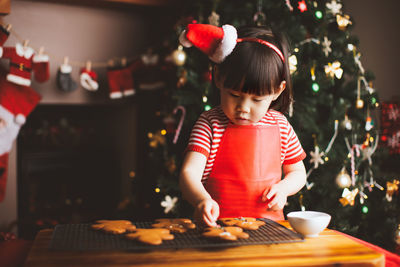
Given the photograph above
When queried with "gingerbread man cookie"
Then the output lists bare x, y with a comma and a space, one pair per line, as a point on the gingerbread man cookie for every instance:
114, 226
231, 233
175, 225
247, 223
153, 236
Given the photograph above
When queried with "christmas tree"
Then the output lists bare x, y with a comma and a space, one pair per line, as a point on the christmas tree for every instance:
335, 115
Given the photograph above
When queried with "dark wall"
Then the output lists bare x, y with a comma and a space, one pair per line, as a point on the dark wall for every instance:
377, 23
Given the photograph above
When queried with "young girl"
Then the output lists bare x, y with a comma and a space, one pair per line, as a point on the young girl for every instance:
237, 151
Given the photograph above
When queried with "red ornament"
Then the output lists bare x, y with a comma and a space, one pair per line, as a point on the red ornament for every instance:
302, 6
207, 76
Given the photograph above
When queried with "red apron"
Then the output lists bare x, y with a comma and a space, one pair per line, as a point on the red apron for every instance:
248, 161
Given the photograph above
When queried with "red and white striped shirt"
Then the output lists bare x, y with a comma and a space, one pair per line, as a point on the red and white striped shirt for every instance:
210, 127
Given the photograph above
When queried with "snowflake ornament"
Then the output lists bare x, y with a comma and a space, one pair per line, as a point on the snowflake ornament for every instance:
394, 140
169, 203
316, 157
334, 7
326, 46
394, 114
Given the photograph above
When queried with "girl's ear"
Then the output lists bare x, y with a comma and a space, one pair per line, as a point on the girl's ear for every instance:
282, 87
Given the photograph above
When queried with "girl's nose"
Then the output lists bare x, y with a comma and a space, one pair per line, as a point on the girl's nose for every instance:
243, 106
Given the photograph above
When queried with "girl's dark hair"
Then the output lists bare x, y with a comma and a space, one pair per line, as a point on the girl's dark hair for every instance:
255, 68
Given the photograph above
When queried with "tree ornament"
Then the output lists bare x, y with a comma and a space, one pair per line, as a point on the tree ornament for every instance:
326, 46
182, 78
302, 6
316, 157
289, 5
334, 7
213, 19
347, 123
333, 69
169, 203
292, 63
315, 87
343, 179
369, 124
156, 139
178, 129
318, 14
393, 112
359, 103
392, 188
348, 197
179, 56
207, 76
364, 209
343, 21
259, 17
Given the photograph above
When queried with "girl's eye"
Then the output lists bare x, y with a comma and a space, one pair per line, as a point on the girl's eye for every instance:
234, 95
257, 100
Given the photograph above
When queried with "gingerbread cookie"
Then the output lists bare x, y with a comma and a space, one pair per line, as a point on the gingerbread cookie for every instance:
153, 236
175, 225
114, 226
231, 233
247, 223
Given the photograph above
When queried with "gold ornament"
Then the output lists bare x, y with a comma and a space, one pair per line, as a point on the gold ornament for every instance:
348, 197
343, 21
179, 56
334, 69
343, 179
292, 63
392, 188
156, 139
359, 103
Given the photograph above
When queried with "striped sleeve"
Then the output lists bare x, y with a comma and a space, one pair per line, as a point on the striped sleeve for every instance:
294, 152
200, 138
291, 149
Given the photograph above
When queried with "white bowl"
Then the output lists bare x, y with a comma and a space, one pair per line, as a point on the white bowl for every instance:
308, 223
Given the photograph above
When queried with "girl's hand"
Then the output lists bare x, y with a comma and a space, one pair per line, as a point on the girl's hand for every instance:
207, 211
275, 196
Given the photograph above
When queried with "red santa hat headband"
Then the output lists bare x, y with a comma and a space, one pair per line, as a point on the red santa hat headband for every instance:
217, 42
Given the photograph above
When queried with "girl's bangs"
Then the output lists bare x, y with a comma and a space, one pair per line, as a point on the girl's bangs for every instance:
256, 74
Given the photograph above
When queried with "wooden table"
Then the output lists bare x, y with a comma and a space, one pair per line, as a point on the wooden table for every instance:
328, 249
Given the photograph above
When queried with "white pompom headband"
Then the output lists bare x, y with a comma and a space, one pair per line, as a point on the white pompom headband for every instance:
218, 42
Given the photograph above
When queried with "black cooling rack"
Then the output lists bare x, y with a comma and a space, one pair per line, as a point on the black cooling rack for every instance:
82, 237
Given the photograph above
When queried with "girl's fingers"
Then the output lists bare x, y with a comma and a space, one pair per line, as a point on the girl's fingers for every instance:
271, 193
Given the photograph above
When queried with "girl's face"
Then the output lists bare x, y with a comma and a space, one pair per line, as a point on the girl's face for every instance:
246, 109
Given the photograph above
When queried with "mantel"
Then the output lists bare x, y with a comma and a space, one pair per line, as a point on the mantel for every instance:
144, 2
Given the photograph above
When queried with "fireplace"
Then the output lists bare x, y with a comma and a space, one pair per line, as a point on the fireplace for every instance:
69, 165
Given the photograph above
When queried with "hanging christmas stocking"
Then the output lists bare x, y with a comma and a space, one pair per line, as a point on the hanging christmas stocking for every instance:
40, 67
89, 79
16, 103
64, 79
120, 82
